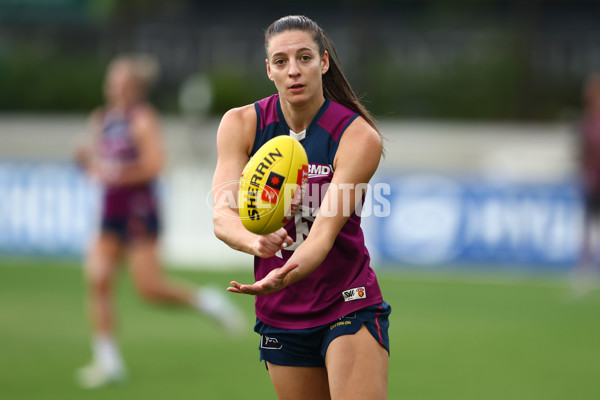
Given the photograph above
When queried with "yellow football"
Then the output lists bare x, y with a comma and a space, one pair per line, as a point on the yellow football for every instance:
272, 185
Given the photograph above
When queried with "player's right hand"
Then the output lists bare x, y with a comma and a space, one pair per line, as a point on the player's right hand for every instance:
268, 245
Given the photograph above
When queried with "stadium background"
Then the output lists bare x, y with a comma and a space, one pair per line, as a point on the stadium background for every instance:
479, 102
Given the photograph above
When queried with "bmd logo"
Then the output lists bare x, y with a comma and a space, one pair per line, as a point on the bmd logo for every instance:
315, 170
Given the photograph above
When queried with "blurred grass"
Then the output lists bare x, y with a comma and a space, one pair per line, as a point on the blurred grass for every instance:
452, 337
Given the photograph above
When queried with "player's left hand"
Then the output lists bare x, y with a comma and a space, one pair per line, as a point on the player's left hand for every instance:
273, 282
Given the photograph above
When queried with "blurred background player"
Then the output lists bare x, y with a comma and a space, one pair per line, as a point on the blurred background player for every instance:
586, 272
126, 156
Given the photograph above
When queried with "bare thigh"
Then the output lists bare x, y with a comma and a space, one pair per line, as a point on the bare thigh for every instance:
357, 366
299, 383
144, 264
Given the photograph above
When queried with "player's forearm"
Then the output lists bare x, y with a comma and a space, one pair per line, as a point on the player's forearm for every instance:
229, 229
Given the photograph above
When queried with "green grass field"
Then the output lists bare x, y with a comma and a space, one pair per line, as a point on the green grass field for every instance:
455, 336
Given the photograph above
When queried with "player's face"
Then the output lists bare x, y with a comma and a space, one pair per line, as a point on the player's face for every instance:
295, 66
120, 86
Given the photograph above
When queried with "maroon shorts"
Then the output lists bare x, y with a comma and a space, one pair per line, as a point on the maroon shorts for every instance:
132, 227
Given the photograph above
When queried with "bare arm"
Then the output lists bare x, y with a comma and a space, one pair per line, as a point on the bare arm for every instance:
87, 143
235, 139
359, 142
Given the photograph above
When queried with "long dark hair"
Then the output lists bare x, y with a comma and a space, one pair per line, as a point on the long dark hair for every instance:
335, 84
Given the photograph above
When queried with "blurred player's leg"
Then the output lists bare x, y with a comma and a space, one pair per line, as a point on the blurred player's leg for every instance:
107, 366
216, 304
152, 285
352, 361
300, 383
148, 278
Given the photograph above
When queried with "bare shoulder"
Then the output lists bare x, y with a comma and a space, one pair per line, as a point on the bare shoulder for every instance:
361, 142
238, 127
146, 121
242, 117
361, 136
146, 113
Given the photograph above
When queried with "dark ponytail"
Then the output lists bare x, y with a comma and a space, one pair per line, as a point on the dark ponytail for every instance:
335, 84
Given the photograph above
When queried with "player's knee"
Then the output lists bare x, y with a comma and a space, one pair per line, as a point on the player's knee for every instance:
99, 280
99, 286
149, 291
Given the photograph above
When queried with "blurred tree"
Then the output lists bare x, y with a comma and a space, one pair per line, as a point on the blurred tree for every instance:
428, 59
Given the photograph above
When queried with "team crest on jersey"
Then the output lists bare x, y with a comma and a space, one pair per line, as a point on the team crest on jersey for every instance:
359, 293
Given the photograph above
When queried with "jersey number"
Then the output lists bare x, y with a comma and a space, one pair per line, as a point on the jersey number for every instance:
301, 220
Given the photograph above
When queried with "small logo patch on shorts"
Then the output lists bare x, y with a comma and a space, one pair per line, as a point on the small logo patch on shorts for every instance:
268, 342
358, 293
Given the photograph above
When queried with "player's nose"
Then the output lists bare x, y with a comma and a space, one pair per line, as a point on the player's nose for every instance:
294, 70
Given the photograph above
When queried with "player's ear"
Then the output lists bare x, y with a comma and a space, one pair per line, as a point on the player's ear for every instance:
325, 62
268, 68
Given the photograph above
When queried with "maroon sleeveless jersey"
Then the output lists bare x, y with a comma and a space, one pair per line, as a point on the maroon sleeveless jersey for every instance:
345, 281
118, 149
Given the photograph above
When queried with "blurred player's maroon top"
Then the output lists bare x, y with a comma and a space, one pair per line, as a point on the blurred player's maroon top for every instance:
345, 281
591, 154
118, 149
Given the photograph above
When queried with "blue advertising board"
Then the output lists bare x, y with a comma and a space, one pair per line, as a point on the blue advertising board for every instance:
418, 219
438, 219
45, 208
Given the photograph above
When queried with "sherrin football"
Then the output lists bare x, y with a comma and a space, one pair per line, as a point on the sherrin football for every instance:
272, 185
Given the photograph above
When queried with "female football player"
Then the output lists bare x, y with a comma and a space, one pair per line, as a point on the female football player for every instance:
320, 313
126, 157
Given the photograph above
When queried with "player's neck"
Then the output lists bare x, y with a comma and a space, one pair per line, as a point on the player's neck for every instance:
298, 116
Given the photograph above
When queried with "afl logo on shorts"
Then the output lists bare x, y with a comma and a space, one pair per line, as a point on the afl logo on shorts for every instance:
268, 342
358, 293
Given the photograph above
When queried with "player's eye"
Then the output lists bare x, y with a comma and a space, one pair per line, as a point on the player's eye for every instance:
279, 61
305, 57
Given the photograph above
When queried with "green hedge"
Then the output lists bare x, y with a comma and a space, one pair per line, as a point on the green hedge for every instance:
38, 80
495, 85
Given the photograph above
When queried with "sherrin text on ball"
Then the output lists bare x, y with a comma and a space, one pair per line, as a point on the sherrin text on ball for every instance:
272, 185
